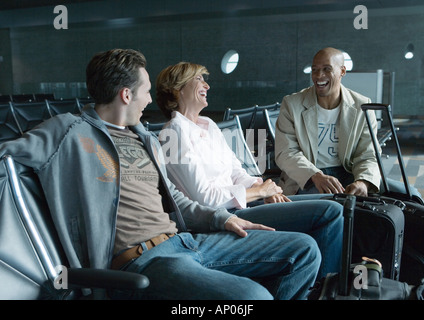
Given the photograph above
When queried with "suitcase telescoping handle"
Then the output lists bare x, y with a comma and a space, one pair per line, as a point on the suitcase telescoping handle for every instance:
348, 214
377, 107
388, 110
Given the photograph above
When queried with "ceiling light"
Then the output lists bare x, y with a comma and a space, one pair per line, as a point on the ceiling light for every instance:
409, 53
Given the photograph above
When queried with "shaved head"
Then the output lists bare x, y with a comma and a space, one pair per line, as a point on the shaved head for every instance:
335, 55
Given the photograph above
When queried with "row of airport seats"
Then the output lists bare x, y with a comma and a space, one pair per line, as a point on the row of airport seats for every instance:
18, 117
251, 117
19, 98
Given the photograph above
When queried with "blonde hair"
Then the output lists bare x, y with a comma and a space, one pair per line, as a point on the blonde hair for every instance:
171, 80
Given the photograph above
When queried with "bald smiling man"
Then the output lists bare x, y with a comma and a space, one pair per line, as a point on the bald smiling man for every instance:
323, 143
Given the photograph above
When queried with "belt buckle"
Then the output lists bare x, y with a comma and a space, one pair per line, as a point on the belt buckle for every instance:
139, 250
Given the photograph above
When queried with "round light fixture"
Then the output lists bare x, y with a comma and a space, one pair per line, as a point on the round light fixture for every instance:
409, 53
229, 61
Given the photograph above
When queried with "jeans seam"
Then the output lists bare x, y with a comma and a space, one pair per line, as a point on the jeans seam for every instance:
218, 264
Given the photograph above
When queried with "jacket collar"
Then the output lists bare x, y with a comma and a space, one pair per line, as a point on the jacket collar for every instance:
310, 99
90, 114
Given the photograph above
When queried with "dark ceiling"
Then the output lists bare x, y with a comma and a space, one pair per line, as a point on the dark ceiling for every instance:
22, 4
18, 13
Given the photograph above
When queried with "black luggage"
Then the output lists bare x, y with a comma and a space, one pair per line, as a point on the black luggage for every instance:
362, 281
378, 232
412, 268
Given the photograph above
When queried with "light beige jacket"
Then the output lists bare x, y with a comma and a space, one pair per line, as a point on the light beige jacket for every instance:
296, 139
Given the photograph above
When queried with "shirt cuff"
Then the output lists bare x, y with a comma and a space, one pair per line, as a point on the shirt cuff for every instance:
221, 216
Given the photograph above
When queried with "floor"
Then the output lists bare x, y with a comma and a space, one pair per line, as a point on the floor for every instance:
411, 140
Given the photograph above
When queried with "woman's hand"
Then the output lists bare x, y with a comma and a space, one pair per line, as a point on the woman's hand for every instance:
263, 190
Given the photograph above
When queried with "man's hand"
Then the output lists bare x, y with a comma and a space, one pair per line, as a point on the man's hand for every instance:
358, 188
327, 184
238, 226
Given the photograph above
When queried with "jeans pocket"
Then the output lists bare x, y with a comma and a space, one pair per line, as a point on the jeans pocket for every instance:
188, 241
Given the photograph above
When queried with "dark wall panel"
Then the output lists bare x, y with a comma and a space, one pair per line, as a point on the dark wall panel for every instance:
273, 50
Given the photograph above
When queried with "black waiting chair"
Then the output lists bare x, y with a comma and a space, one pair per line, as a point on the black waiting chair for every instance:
233, 133
9, 128
30, 114
43, 96
63, 106
271, 117
33, 265
259, 121
5, 98
22, 98
246, 116
83, 101
154, 127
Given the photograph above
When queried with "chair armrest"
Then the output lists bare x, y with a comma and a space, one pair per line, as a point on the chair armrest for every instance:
106, 279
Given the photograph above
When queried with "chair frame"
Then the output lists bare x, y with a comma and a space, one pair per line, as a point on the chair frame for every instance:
269, 114
248, 113
234, 123
11, 122
16, 110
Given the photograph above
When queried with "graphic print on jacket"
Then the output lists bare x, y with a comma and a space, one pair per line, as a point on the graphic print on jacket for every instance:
110, 165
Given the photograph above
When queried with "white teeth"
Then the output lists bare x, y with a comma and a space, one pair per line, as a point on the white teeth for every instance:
322, 83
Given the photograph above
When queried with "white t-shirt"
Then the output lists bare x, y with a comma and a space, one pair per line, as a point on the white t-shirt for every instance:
328, 138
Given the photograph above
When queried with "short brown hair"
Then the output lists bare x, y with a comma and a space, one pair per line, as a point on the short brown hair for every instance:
110, 71
171, 80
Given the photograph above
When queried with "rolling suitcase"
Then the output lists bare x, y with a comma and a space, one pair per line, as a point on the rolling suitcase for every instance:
362, 281
412, 268
378, 231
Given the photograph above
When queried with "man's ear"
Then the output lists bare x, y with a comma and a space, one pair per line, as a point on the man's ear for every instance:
343, 71
126, 95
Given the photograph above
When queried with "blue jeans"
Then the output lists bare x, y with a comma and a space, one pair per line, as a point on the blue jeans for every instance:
321, 219
222, 266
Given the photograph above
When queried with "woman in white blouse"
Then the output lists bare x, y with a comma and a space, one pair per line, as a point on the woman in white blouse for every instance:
202, 166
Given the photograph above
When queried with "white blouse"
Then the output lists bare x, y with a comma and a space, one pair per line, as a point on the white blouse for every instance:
201, 164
